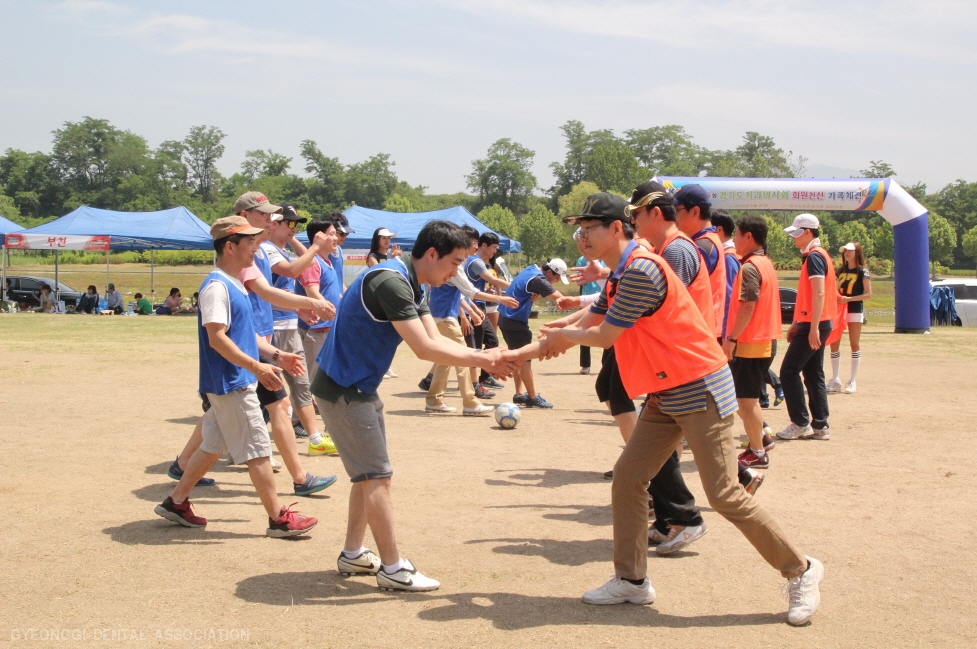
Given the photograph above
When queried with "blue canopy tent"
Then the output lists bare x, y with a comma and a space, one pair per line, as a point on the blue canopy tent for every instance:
173, 229
5, 227
407, 225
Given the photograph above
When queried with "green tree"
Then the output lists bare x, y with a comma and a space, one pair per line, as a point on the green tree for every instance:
573, 170
32, 181
202, 148
883, 240
259, 163
855, 231
572, 202
666, 150
397, 203
8, 209
541, 233
368, 183
780, 247
80, 153
328, 183
879, 169
613, 166
763, 158
942, 239
499, 219
969, 243
504, 176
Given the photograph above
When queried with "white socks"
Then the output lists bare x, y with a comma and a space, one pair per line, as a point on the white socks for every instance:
354, 553
856, 359
836, 366
315, 439
390, 570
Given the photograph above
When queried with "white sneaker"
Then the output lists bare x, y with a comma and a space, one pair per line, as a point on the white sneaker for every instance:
619, 591
654, 536
481, 410
366, 563
850, 388
441, 408
679, 537
389, 374
275, 466
803, 594
833, 386
793, 431
819, 433
407, 578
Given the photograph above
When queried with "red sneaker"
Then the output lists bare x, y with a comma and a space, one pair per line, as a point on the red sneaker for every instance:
749, 459
182, 513
290, 523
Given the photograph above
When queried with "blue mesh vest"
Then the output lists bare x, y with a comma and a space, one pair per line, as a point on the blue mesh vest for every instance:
444, 301
337, 265
360, 348
518, 290
218, 375
284, 283
477, 280
329, 288
264, 320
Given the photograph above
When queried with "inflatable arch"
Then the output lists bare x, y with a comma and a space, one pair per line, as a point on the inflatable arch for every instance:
909, 219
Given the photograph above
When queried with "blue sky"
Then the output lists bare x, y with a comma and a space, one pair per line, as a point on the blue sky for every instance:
434, 83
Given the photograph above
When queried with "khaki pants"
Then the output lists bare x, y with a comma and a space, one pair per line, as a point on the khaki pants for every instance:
451, 330
710, 438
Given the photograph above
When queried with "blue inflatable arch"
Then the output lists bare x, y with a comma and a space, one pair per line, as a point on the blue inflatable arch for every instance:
909, 219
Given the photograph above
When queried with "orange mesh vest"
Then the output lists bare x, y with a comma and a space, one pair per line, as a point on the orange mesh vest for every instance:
717, 279
802, 310
765, 323
671, 347
699, 289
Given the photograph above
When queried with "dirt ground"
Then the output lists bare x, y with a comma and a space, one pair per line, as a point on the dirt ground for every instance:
515, 524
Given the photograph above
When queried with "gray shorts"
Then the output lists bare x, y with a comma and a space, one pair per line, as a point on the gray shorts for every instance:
357, 429
234, 425
289, 340
312, 342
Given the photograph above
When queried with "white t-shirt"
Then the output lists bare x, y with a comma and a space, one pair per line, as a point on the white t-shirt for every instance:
215, 303
275, 257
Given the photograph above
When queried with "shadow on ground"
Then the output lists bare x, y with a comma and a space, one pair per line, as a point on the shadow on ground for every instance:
564, 553
162, 532
506, 611
547, 478
594, 515
189, 421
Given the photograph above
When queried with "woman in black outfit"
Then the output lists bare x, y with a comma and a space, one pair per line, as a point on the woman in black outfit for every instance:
380, 246
854, 287
88, 302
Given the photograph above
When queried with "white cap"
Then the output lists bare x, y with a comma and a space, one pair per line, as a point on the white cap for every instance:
802, 222
384, 232
277, 217
847, 246
559, 267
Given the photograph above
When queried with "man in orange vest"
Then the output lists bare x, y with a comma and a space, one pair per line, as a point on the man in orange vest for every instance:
693, 217
752, 327
816, 303
665, 349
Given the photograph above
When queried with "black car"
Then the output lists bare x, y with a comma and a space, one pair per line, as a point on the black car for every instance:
788, 297
24, 289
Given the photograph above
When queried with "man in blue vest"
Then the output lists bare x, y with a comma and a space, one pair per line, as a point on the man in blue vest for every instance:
285, 267
382, 308
531, 283
229, 371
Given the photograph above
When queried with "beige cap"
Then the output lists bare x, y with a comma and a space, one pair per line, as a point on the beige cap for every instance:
255, 201
847, 246
229, 225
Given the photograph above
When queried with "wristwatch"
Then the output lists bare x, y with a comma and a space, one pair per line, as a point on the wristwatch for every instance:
278, 353
731, 339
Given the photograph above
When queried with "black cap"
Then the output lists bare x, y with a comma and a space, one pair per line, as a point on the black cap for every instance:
289, 214
650, 193
601, 206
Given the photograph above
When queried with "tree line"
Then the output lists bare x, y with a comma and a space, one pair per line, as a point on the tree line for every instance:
92, 162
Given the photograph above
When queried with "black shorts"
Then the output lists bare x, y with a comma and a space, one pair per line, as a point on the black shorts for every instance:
516, 334
749, 376
265, 396
484, 335
610, 388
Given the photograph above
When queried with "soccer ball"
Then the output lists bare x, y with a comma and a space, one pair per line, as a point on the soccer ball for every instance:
507, 415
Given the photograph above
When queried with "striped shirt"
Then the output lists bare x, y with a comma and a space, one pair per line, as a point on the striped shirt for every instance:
640, 291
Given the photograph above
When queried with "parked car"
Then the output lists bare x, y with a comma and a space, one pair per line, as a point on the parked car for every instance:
25, 288
964, 298
788, 297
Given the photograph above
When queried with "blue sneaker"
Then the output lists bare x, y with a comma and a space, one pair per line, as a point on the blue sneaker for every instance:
538, 402
176, 473
299, 429
520, 399
779, 398
314, 484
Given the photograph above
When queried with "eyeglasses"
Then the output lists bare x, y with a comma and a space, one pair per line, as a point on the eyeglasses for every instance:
584, 232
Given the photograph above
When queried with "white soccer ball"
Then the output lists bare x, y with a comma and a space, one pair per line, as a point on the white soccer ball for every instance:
507, 415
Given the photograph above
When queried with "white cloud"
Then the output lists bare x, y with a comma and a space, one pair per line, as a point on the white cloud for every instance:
936, 29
